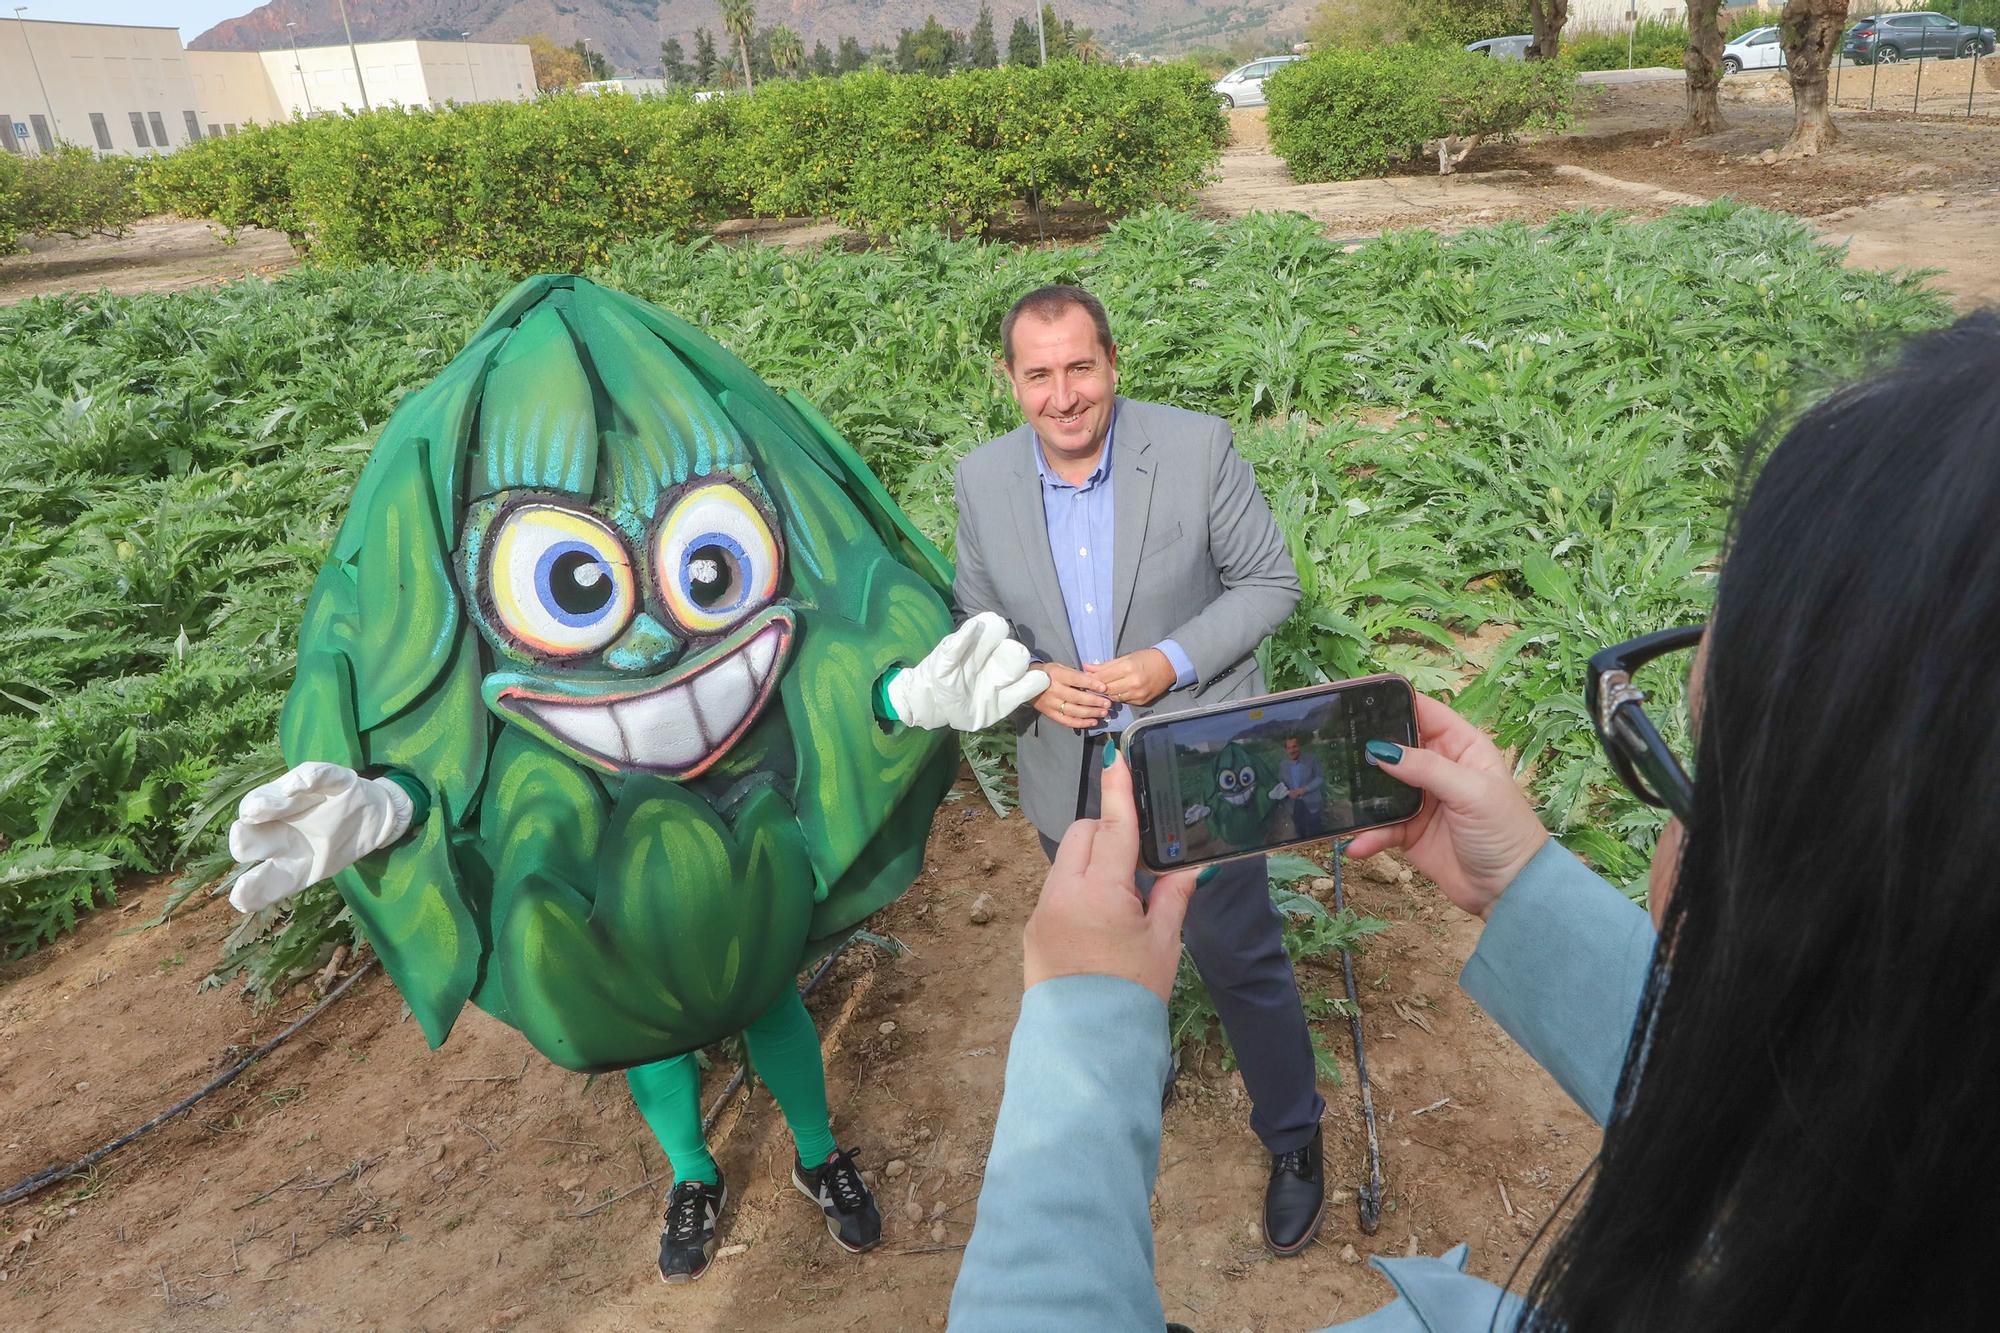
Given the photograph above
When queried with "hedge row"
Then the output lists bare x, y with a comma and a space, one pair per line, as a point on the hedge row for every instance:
1653, 44
1345, 112
71, 190
555, 183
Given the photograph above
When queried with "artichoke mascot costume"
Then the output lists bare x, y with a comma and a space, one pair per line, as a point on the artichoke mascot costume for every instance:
1239, 805
614, 709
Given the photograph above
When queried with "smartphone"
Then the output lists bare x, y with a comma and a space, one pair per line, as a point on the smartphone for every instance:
1254, 775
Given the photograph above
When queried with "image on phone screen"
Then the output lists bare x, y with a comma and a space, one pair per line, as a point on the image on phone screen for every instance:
1271, 772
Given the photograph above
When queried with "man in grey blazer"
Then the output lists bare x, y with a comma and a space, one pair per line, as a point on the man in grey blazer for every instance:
1127, 545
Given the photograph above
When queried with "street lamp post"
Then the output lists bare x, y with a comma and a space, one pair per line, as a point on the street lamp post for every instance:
354, 55
55, 129
294, 39
470, 73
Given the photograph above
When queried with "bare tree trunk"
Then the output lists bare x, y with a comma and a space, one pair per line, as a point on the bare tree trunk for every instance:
1546, 19
743, 50
1703, 63
1809, 31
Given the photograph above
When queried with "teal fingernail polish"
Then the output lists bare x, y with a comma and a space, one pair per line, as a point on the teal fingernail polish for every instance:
1206, 875
1110, 751
1387, 752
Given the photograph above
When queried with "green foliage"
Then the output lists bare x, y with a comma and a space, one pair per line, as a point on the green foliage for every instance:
1655, 43
554, 184
70, 190
1531, 429
1346, 112
1448, 23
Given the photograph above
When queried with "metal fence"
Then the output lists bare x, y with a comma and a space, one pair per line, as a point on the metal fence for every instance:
1932, 64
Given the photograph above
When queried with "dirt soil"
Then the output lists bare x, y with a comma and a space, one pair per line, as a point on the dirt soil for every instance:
356, 1179
1900, 192
156, 255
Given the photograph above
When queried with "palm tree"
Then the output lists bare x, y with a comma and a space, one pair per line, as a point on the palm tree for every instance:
739, 20
787, 51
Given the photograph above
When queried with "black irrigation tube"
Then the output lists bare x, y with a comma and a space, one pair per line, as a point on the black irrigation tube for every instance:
1369, 1196
48, 1176
42, 1179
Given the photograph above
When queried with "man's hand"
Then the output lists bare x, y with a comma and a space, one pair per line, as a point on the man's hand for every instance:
1090, 920
973, 678
309, 824
1074, 698
1136, 678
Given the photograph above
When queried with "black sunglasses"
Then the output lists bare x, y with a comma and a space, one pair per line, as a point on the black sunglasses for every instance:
1638, 752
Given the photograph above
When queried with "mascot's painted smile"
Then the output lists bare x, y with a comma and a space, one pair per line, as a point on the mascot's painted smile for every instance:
675, 728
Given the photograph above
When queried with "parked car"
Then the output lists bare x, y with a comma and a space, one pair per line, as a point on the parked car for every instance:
1244, 85
1757, 49
1892, 37
1502, 48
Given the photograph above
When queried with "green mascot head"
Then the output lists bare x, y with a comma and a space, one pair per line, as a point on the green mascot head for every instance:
1241, 800
621, 609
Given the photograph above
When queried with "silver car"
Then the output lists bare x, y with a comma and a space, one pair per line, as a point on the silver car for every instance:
1244, 85
1502, 48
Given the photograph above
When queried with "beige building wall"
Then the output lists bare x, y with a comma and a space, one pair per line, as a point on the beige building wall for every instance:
108, 86
233, 89
133, 90
412, 73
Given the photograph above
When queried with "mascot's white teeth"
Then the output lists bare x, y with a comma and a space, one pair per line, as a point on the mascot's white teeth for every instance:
1240, 798
676, 729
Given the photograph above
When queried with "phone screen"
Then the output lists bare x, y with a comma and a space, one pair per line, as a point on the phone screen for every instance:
1270, 772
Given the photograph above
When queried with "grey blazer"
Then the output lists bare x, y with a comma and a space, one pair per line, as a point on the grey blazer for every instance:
1196, 558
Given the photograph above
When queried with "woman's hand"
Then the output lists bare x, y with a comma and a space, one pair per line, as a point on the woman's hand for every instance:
1476, 830
1090, 919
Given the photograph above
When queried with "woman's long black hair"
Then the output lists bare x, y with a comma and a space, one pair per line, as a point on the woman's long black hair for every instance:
1805, 1135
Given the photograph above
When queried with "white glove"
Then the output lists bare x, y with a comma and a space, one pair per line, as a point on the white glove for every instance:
312, 822
1194, 814
1281, 791
971, 680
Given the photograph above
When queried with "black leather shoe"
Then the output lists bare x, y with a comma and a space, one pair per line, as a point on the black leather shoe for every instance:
1295, 1200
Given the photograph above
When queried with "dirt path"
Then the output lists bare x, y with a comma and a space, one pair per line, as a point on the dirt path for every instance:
155, 255
1898, 192
356, 1179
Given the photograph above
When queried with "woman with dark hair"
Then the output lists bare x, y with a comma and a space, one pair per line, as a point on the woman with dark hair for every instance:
1796, 1075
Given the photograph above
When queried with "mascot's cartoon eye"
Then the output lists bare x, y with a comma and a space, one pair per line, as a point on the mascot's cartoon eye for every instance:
716, 558
1228, 779
1246, 776
561, 581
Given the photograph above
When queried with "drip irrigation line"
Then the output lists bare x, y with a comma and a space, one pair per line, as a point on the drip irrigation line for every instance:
41, 1180
1369, 1196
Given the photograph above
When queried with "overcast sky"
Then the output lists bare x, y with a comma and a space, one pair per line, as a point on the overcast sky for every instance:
192, 17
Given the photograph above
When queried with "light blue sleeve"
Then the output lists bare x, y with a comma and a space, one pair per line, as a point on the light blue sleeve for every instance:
1318, 778
1561, 965
1064, 1238
1182, 663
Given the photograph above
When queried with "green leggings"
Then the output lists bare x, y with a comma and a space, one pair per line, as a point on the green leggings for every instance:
784, 1050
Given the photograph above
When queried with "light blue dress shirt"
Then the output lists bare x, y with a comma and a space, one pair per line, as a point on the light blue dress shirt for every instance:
1080, 527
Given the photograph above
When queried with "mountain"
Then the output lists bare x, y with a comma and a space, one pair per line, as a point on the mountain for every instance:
629, 32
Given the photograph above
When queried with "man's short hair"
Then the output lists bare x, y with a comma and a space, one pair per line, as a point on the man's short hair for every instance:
1049, 303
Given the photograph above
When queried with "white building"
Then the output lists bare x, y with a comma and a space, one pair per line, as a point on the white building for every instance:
125, 89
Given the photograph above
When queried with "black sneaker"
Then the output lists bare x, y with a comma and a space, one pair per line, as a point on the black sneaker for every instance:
851, 1216
687, 1241
1295, 1200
